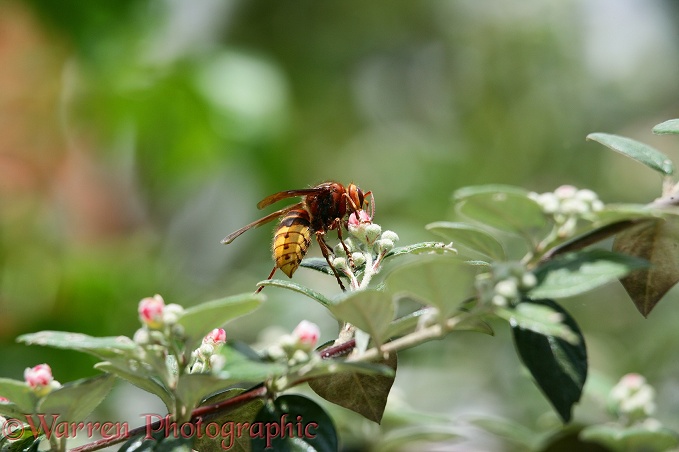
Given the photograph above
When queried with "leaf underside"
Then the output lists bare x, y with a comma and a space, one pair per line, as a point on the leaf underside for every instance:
657, 241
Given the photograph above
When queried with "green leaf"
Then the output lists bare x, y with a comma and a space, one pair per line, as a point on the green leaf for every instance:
419, 248
23, 399
278, 426
540, 319
241, 368
290, 285
101, 347
501, 207
558, 367
199, 320
338, 366
473, 237
656, 241
637, 437
669, 126
365, 394
192, 388
142, 378
416, 437
74, 401
509, 431
319, 264
224, 425
640, 152
571, 274
405, 324
369, 310
442, 281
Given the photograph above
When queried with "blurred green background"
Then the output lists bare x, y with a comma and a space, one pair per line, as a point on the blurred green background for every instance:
134, 135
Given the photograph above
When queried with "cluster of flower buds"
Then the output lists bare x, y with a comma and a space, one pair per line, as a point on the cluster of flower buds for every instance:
296, 348
632, 399
505, 284
206, 357
366, 246
158, 320
567, 204
40, 379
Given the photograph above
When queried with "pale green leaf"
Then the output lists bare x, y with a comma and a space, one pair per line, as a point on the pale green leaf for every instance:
640, 152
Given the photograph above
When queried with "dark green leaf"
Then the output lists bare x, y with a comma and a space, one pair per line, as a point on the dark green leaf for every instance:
444, 282
199, 320
27, 443
76, 400
369, 310
365, 394
162, 441
290, 285
473, 237
501, 207
669, 126
640, 152
293, 422
656, 241
575, 273
558, 367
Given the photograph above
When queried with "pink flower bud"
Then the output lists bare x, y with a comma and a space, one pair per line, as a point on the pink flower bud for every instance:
356, 218
4, 399
151, 311
307, 334
38, 376
216, 336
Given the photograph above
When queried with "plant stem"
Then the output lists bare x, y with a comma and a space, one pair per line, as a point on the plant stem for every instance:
415, 338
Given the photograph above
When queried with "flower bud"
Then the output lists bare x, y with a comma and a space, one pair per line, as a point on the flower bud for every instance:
528, 281
340, 263
390, 235
141, 336
40, 379
507, 288
151, 311
565, 192
372, 232
299, 356
384, 245
307, 334
632, 397
499, 300
358, 258
171, 313
356, 220
40, 375
215, 337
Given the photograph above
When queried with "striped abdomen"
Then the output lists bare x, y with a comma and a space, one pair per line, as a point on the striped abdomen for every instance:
292, 240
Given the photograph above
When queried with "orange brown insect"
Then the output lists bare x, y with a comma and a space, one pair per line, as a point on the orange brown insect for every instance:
323, 208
